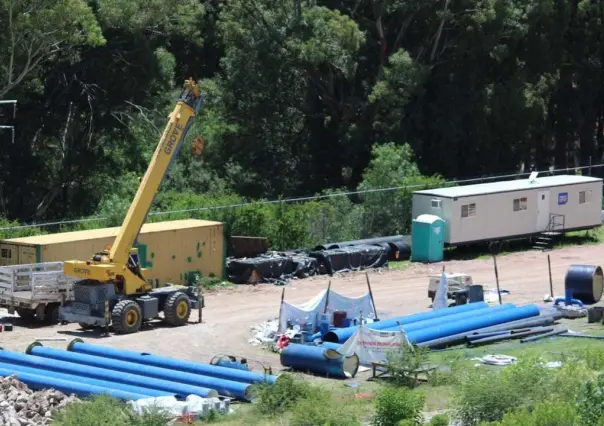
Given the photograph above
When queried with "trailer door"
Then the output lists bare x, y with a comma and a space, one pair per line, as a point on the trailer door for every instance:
8, 254
542, 210
27, 255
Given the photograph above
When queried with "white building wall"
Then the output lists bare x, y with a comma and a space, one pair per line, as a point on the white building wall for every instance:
578, 215
422, 204
493, 216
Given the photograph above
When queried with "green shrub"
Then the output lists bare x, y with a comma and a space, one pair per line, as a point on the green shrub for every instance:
394, 405
593, 358
323, 411
590, 402
486, 395
567, 381
545, 414
439, 420
403, 361
283, 395
107, 411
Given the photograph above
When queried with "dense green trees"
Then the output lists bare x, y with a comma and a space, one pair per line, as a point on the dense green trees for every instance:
298, 94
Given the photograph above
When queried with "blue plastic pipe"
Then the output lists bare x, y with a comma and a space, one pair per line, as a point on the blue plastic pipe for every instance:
77, 345
472, 323
109, 375
450, 318
137, 390
329, 345
148, 373
36, 381
342, 334
319, 360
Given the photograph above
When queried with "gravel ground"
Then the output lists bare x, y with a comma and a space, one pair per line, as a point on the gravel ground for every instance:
231, 312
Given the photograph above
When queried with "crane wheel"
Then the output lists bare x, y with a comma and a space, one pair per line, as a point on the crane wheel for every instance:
126, 317
51, 313
177, 309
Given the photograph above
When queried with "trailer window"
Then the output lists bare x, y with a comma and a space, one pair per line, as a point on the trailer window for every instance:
520, 204
6, 253
584, 197
468, 210
436, 204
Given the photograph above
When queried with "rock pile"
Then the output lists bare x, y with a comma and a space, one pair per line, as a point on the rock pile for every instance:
20, 406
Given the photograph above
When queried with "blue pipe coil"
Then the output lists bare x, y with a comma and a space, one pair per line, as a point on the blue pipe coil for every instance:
568, 301
42, 381
77, 345
109, 375
451, 318
585, 283
148, 373
138, 390
473, 323
343, 334
320, 360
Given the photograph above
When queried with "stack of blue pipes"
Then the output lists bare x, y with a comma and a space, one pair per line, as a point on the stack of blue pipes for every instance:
449, 325
477, 323
84, 369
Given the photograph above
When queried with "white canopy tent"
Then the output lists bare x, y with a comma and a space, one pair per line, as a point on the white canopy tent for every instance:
327, 301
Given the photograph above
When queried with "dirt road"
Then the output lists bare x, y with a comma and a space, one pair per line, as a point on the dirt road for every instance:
230, 313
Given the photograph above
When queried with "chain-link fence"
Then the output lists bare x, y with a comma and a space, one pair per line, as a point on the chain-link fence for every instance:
301, 222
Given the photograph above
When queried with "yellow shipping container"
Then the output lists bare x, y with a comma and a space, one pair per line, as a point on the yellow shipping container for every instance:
175, 251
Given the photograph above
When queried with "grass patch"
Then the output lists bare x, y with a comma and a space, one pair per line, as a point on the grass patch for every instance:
399, 265
106, 411
528, 393
213, 283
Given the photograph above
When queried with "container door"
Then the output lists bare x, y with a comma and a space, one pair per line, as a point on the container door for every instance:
542, 210
8, 254
27, 255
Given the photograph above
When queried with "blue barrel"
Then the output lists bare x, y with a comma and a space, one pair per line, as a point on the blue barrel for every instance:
585, 283
476, 293
320, 360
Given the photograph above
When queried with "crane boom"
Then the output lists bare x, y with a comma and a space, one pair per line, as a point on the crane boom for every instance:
188, 105
121, 264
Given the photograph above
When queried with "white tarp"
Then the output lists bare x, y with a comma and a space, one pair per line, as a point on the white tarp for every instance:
440, 299
308, 312
372, 345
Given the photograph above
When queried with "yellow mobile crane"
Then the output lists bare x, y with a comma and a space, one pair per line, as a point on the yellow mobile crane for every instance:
113, 289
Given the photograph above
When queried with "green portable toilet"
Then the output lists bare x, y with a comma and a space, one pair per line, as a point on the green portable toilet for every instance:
427, 239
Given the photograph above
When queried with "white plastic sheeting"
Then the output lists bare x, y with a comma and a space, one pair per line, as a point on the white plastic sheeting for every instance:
194, 404
373, 345
440, 299
265, 332
307, 312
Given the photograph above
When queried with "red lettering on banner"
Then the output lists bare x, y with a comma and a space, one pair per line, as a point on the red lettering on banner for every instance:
370, 343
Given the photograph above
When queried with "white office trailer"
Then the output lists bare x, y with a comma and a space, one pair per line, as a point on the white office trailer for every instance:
513, 209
